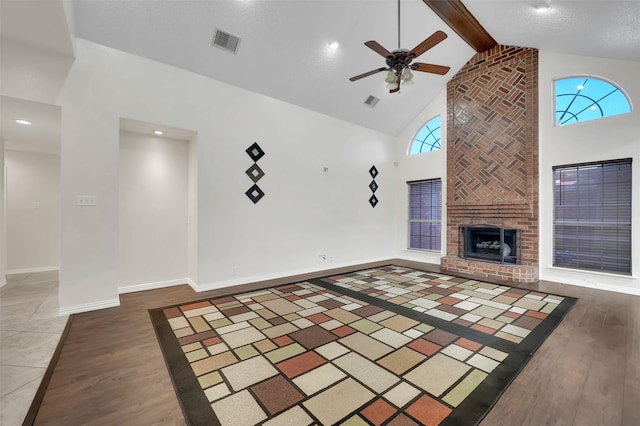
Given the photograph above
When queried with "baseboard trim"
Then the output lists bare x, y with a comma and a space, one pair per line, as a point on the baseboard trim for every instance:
290, 275
32, 270
193, 284
86, 307
152, 286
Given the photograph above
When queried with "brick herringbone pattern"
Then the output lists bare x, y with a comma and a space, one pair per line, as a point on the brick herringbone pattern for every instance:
489, 148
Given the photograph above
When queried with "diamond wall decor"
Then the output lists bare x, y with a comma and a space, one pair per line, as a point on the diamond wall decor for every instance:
254, 172
255, 152
255, 193
373, 186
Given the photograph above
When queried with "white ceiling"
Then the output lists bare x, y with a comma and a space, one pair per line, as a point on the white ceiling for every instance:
601, 28
283, 50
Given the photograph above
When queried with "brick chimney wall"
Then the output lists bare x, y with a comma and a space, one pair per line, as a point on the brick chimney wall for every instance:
492, 156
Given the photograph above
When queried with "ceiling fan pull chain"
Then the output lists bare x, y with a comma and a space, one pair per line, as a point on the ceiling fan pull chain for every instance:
398, 24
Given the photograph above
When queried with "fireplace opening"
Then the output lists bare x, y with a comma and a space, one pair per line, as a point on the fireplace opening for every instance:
490, 244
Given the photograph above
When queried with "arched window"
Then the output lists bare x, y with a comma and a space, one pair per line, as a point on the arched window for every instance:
587, 98
428, 138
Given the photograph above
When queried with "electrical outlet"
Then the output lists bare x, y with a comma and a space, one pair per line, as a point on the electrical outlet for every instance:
322, 257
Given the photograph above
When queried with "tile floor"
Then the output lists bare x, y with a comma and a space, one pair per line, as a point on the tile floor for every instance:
30, 329
335, 358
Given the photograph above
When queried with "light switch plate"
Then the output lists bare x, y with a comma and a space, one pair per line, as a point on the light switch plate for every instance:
86, 200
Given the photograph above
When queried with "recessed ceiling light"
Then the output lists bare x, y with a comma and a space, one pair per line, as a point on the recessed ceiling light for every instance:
158, 132
20, 121
334, 45
542, 7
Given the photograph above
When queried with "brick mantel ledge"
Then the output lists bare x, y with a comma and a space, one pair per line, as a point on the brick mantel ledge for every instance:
513, 273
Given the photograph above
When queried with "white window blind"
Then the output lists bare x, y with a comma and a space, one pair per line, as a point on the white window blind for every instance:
592, 216
425, 214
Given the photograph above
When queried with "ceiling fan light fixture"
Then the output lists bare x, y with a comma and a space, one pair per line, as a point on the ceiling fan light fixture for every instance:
391, 77
407, 76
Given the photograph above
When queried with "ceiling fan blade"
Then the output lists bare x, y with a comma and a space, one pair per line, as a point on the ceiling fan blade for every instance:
397, 89
433, 69
376, 47
367, 74
427, 44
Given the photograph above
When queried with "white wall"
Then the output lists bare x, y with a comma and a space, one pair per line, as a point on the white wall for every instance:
605, 139
3, 218
303, 214
428, 165
153, 207
33, 211
192, 212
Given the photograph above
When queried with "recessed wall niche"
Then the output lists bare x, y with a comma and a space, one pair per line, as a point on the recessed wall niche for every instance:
156, 204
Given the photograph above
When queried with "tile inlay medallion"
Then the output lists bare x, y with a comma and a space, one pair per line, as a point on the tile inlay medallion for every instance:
388, 345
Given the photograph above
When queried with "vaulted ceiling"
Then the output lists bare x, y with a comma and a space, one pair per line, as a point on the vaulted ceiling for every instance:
283, 51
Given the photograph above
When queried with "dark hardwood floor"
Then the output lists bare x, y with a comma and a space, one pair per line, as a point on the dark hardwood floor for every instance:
111, 370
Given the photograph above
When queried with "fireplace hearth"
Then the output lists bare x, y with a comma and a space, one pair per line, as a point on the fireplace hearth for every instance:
490, 244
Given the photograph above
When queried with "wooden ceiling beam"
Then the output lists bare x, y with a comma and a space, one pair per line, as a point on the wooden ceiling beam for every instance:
460, 20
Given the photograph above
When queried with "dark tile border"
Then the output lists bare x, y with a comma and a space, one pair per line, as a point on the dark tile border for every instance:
195, 405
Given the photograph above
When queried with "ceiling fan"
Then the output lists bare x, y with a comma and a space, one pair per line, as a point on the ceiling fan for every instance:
399, 62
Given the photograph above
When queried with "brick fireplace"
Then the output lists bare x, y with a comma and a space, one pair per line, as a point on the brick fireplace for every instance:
492, 158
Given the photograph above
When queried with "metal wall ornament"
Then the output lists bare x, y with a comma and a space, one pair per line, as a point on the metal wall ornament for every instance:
373, 186
255, 173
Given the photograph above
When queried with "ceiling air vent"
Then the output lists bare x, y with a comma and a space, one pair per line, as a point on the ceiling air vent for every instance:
372, 101
226, 41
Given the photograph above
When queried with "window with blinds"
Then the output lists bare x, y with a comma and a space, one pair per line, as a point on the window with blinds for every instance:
592, 216
425, 214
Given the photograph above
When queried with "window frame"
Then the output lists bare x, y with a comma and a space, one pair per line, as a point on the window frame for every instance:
593, 77
438, 220
593, 218
415, 135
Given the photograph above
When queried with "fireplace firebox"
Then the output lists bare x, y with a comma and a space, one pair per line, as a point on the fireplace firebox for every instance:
490, 244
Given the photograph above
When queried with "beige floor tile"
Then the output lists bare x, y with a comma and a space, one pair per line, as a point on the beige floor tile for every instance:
401, 394
399, 323
365, 345
367, 372
332, 350
338, 401
238, 338
401, 360
437, 374
318, 379
239, 409
249, 372
391, 337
